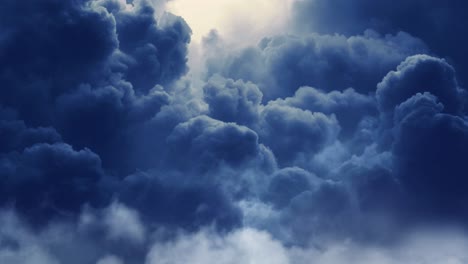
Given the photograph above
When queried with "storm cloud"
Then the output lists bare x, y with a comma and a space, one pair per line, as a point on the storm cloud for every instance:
342, 137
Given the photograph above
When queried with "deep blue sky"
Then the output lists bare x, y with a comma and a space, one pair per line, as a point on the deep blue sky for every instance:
341, 136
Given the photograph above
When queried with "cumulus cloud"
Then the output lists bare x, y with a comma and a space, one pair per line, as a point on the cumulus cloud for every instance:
281, 64
124, 223
233, 101
190, 205
244, 246
45, 180
419, 151
63, 243
253, 246
151, 53
349, 107
420, 73
292, 132
331, 141
94, 96
439, 24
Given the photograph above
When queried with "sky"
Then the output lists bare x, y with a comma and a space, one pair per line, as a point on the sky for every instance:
279, 132
246, 21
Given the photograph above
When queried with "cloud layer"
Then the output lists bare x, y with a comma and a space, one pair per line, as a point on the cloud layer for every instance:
341, 137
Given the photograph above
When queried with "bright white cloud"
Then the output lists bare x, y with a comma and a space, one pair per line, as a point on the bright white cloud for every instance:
244, 246
253, 246
55, 245
124, 223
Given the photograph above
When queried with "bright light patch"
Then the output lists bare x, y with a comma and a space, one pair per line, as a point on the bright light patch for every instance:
236, 20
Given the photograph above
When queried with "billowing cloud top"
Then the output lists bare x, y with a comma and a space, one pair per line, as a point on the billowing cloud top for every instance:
340, 136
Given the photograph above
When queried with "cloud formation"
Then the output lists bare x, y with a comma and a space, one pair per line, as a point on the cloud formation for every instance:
439, 24
342, 137
281, 64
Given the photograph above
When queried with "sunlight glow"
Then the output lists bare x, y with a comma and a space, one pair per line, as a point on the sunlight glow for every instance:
239, 20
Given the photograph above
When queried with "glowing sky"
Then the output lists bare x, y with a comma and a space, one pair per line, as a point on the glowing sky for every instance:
254, 18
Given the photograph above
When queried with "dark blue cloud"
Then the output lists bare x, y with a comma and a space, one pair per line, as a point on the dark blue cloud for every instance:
16, 136
203, 143
294, 134
439, 24
280, 65
324, 210
421, 73
424, 132
233, 101
176, 205
51, 179
286, 184
411, 176
309, 136
418, 74
103, 118
83, 68
61, 44
152, 53
349, 107
430, 157
78, 83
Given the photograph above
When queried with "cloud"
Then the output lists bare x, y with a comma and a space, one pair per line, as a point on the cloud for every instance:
51, 179
421, 73
281, 64
244, 246
424, 136
208, 143
325, 143
16, 136
286, 184
100, 118
233, 101
292, 132
349, 107
93, 96
18, 245
439, 24
35, 72
62, 240
152, 53
124, 223
167, 202
256, 246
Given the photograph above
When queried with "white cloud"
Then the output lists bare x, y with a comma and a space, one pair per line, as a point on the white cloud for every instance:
244, 246
258, 247
124, 223
60, 244
19, 245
